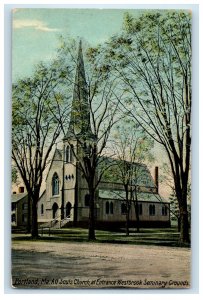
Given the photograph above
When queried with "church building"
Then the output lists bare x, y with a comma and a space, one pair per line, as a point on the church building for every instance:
65, 201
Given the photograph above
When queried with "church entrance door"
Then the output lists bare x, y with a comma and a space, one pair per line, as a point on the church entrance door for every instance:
68, 209
54, 210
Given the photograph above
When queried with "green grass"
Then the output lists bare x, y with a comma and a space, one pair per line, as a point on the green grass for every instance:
159, 237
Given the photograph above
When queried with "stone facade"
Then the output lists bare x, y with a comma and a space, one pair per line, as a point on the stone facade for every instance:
109, 201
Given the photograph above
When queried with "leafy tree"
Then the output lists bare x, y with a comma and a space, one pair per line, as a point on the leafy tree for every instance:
37, 115
153, 58
14, 175
131, 149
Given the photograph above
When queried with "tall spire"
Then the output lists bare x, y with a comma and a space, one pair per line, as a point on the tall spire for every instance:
80, 112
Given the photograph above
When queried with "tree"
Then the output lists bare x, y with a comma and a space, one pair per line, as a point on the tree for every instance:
14, 175
153, 58
167, 179
37, 114
132, 149
94, 113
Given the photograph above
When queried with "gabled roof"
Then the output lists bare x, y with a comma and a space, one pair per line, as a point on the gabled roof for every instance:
142, 171
17, 197
42, 194
120, 195
56, 152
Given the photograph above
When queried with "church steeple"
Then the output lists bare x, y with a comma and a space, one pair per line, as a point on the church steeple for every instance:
80, 112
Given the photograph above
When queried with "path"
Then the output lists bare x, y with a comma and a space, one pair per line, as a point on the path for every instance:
95, 265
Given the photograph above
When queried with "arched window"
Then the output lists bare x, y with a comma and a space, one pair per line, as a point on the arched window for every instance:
55, 184
42, 209
107, 207
68, 209
123, 208
87, 200
152, 210
69, 154
111, 208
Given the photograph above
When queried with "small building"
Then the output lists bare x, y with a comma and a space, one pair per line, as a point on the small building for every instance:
19, 210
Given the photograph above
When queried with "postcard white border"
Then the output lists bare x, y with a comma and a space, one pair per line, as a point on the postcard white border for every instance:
5, 111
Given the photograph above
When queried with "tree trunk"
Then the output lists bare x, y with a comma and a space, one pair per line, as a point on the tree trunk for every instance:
178, 223
127, 222
184, 232
62, 192
91, 236
34, 214
127, 210
181, 189
29, 213
137, 214
34, 220
136, 210
181, 194
184, 225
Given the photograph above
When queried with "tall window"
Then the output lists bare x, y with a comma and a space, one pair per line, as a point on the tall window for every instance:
107, 207
164, 210
42, 209
111, 208
69, 154
140, 208
24, 206
55, 184
123, 208
152, 210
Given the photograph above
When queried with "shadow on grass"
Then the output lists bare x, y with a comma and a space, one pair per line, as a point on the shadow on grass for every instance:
150, 237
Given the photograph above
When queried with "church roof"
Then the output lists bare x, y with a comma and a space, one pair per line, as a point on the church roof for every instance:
17, 197
58, 153
143, 177
120, 195
80, 111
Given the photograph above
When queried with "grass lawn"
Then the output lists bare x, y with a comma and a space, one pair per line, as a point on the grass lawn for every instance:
152, 236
